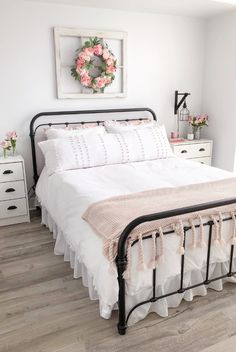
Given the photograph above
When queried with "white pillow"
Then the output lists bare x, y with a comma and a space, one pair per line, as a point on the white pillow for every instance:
53, 133
76, 152
114, 126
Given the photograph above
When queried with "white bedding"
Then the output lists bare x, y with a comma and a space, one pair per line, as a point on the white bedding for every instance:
65, 196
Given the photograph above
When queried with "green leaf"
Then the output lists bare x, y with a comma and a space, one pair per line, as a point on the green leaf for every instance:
103, 66
75, 74
88, 66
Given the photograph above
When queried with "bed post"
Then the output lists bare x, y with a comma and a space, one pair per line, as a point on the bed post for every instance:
121, 266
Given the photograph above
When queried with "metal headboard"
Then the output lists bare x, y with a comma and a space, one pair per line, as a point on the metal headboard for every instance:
34, 126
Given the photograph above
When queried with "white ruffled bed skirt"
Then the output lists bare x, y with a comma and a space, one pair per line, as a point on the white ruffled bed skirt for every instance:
62, 247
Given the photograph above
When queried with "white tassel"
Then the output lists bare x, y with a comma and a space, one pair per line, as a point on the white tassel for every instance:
221, 239
194, 244
126, 273
153, 262
203, 244
161, 257
216, 241
141, 264
202, 238
179, 229
112, 257
112, 269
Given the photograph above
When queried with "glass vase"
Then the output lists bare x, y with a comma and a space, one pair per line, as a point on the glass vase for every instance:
6, 153
197, 133
13, 151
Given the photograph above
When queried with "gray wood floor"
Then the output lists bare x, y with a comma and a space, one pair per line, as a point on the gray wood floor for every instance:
42, 309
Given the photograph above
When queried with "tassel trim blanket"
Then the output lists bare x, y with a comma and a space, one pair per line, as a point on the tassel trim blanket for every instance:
109, 217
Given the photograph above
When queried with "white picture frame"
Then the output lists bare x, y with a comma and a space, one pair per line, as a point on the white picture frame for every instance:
67, 40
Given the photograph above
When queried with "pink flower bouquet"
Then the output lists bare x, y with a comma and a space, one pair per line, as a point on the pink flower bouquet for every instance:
9, 142
198, 121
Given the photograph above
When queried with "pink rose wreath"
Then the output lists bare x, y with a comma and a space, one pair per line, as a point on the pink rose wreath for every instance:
95, 65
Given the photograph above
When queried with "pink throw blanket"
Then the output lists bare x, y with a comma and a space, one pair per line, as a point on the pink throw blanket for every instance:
109, 217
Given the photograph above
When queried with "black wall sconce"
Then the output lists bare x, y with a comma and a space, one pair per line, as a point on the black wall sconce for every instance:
184, 113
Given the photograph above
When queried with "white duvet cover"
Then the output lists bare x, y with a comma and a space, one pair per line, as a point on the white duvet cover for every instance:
64, 198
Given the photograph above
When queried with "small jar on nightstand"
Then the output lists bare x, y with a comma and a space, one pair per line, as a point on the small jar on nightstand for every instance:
14, 206
196, 150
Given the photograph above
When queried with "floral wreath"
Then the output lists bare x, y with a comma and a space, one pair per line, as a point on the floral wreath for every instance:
85, 63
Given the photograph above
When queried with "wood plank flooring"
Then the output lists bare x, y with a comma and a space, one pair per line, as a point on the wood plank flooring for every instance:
43, 309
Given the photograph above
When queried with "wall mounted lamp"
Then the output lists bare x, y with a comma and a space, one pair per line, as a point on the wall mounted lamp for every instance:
183, 114
178, 102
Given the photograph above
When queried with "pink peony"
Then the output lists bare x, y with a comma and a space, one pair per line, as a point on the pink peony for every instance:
100, 82
108, 80
97, 49
88, 51
110, 69
79, 64
5, 144
84, 73
11, 135
85, 80
84, 57
110, 62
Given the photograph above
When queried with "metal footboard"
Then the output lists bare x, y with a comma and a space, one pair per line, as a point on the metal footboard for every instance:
121, 259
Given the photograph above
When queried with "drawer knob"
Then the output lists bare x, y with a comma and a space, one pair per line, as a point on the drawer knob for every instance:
12, 207
183, 151
202, 150
7, 172
9, 190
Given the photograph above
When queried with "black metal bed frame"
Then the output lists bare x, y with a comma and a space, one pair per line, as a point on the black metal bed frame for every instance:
121, 259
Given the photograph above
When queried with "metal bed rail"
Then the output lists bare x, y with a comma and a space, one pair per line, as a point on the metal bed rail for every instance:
121, 259
34, 126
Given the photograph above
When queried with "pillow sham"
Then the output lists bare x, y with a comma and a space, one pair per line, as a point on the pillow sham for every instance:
84, 151
114, 126
53, 133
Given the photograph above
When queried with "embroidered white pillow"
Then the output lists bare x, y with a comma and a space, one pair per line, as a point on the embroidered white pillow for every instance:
75, 152
113, 126
53, 133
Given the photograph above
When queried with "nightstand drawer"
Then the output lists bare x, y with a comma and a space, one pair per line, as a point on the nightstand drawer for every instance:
12, 190
11, 172
189, 151
206, 160
11, 208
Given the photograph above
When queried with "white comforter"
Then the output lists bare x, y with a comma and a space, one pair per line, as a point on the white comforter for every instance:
67, 195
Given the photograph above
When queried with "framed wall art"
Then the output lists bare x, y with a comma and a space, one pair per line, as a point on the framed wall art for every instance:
90, 63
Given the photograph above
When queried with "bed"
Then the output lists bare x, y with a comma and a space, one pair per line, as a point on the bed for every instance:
65, 196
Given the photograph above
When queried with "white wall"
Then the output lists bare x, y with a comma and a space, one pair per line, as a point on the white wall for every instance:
164, 53
219, 90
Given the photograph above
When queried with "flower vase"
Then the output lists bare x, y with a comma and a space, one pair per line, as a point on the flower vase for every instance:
13, 151
6, 153
197, 133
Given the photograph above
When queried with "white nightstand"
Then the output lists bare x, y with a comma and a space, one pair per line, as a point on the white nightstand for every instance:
196, 150
14, 207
